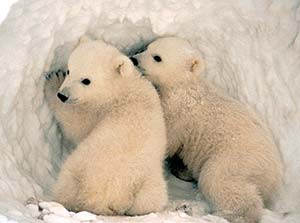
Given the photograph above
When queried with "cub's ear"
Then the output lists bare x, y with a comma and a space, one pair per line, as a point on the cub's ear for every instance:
125, 67
196, 65
84, 39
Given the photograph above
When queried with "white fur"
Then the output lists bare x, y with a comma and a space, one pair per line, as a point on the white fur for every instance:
223, 142
117, 123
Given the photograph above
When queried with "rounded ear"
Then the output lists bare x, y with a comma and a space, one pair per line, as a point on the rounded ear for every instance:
84, 39
125, 67
196, 65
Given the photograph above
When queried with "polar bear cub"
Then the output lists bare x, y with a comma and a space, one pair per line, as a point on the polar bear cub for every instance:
117, 166
226, 146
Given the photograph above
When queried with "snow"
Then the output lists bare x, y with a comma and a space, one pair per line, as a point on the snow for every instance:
5, 6
51, 218
251, 48
84, 216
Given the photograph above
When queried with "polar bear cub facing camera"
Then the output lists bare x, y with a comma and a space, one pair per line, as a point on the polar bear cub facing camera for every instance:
228, 149
118, 126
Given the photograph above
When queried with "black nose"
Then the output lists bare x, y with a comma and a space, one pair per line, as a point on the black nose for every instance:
134, 61
62, 97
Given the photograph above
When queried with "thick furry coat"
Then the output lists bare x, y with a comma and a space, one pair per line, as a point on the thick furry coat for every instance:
116, 120
228, 149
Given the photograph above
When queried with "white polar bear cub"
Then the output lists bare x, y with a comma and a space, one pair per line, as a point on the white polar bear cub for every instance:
117, 166
226, 146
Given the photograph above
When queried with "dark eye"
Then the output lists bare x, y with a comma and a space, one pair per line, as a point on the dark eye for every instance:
157, 58
86, 81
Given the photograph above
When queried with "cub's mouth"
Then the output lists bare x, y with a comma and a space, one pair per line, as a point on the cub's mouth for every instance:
156, 88
72, 101
141, 70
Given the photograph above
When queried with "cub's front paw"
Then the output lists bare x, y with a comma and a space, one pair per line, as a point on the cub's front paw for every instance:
54, 80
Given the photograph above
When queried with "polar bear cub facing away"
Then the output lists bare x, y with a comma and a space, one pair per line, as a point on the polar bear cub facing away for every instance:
225, 145
117, 166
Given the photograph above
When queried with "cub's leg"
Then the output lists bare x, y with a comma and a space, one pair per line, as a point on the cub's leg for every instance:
67, 188
152, 196
179, 169
233, 197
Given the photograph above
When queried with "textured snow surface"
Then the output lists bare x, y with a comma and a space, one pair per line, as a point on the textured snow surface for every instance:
52, 212
251, 48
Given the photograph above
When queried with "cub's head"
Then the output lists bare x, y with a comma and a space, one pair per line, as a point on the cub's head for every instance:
94, 69
169, 61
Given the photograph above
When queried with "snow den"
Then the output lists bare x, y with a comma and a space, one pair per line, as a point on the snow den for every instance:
251, 48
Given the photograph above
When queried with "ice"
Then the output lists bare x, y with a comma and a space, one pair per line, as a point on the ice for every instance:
52, 218
59, 211
3, 219
251, 48
84, 216
33, 210
48, 205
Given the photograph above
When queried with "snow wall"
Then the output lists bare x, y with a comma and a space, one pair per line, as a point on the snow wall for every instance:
251, 48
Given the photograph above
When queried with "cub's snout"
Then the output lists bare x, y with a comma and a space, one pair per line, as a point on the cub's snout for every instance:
134, 61
62, 97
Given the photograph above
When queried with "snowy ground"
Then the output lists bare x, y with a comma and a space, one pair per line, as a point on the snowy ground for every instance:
251, 48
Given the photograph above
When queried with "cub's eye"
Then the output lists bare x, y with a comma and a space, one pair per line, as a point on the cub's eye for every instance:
157, 58
86, 81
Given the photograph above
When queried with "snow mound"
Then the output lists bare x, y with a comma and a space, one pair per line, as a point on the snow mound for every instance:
251, 48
